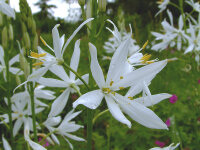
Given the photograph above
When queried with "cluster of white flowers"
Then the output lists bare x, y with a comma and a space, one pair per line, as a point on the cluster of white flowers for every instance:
186, 36
121, 75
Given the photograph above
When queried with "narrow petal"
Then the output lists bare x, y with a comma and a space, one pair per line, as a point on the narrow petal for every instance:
14, 60
17, 126
74, 137
74, 33
6, 9
50, 82
75, 59
56, 41
155, 99
59, 104
118, 60
6, 145
91, 99
35, 146
96, 70
140, 113
71, 115
116, 111
140, 74
38, 74
84, 77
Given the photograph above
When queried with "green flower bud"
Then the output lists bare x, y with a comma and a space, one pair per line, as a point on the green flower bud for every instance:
81, 2
33, 27
10, 32
102, 5
1, 19
5, 37
24, 30
27, 41
30, 22
18, 80
35, 42
24, 65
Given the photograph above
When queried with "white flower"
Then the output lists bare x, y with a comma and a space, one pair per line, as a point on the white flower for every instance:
13, 70
33, 145
65, 128
118, 37
6, 9
6, 145
68, 82
195, 6
162, 5
59, 48
170, 147
118, 79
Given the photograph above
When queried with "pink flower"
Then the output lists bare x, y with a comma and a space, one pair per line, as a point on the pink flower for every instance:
168, 122
173, 99
160, 144
199, 81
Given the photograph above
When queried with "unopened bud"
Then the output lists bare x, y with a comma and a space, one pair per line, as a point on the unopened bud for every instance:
1, 19
33, 27
27, 41
35, 42
10, 32
24, 65
5, 37
30, 22
24, 30
18, 80
102, 5
81, 2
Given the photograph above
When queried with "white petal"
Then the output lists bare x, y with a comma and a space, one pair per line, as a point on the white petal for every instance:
155, 99
17, 126
180, 22
6, 145
74, 137
56, 42
118, 60
14, 60
38, 74
59, 104
6, 9
140, 74
55, 139
71, 115
70, 145
75, 59
74, 33
96, 70
189, 49
52, 121
2, 56
140, 113
50, 82
116, 111
35, 146
91, 99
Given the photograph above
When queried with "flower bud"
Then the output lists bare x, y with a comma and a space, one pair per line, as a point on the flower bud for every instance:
5, 37
35, 42
17, 78
33, 27
30, 22
10, 32
27, 41
24, 65
102, 5
1, 19
81, 2
24, 30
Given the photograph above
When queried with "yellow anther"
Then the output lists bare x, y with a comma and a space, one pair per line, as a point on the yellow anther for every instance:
160, 2
20, 115
43, 41
106, 90
131, 98
62, 90
121, 77
150, 62
121, 88
38, 64
113, 93
36, 55
145, 44
145, 58
111, 83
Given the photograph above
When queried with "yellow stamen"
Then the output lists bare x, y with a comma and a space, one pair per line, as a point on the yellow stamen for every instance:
113, 93
43, 41
145, 44
160, 2
131, 98
38, 64
145, 58
121, 77
106, 90
121, 88
111, 83
36, 55
150, 62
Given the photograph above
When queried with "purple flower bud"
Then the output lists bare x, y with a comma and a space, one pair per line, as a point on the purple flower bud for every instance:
173, 99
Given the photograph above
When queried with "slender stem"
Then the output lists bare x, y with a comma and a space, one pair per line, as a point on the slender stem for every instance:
182, 13
174, 5
31, 92
68, 67
100, 114
8, 95
89, 129
76, 89
50, 133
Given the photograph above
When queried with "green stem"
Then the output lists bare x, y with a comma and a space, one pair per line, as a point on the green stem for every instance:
89, 129
8, 95
69, 68
31, 92
76, 89
50, 133
100, 114
182, 14
174, 5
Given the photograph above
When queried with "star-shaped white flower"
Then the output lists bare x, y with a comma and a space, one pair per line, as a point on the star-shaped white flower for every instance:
69, 82
118, 77
170, 147
162, 5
